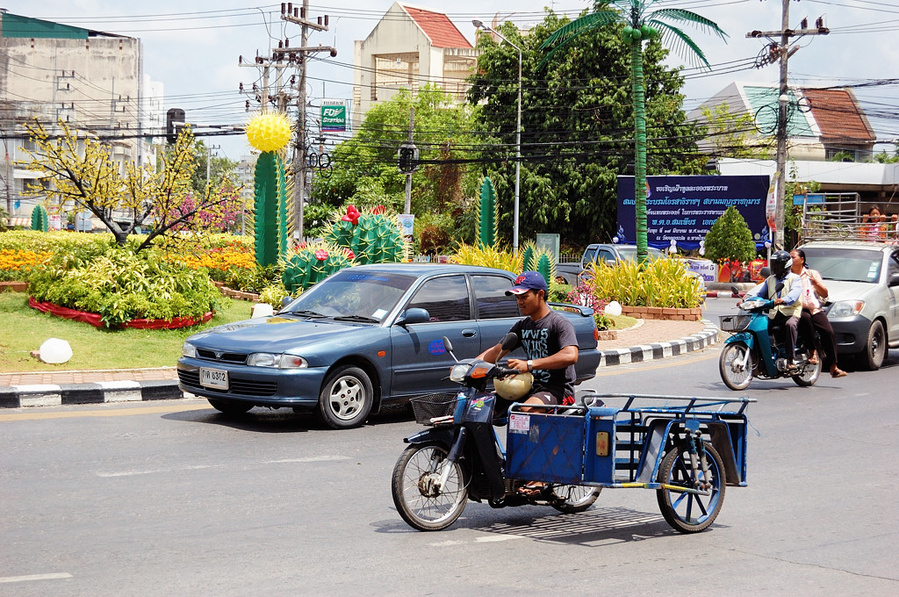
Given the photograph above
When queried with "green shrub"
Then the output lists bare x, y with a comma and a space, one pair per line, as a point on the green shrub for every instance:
121, 285
730, 238
658, 283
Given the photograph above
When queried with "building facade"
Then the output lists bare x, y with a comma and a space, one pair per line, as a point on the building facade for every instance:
93, 81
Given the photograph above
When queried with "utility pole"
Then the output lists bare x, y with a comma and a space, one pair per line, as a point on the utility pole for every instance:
299, 16
782, 49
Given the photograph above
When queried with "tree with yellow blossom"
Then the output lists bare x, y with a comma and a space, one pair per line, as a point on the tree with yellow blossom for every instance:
83, 176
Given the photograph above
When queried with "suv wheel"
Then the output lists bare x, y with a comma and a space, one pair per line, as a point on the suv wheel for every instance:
876, 347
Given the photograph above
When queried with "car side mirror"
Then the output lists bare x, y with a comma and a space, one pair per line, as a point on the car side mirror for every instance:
286, 301
894, 279
413, 315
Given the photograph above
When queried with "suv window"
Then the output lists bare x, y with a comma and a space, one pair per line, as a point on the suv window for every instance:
445, 298
845, 265
490, 297
604, 256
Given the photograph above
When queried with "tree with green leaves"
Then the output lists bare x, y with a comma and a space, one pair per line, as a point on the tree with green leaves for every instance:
730, 238
638, 24
364, 168
574, 128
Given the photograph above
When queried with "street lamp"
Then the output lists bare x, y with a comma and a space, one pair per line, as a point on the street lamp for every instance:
480, 25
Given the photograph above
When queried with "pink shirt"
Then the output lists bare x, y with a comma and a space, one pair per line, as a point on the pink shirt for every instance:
810, 299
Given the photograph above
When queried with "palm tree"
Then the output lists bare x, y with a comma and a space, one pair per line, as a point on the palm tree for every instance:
639, 24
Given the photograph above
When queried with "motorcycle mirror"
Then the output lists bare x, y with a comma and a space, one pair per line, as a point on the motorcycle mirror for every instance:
509, 341
449, 347
779, 287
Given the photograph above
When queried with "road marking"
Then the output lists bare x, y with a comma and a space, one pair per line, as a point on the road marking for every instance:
497, 539
112, 412
199, 467
308, 459
31, 577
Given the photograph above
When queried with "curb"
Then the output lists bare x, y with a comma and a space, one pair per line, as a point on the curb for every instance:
660, 350
101, 392
88, 393
716, 294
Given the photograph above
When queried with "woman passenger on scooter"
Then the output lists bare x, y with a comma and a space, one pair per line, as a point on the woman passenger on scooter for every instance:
813, 317
786, 300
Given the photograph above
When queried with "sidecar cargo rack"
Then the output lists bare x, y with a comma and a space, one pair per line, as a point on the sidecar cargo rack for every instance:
684, 404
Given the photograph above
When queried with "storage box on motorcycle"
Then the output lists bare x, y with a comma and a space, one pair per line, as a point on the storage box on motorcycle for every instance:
599, 454
545, 447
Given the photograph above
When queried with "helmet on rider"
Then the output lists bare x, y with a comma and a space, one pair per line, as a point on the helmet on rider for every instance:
780, 263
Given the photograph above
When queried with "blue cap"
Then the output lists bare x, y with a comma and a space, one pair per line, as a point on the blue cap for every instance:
528, 281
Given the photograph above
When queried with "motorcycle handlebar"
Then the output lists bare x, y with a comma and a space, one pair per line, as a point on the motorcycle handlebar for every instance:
505, 371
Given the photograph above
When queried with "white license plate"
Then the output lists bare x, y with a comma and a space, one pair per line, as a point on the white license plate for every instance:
214, 378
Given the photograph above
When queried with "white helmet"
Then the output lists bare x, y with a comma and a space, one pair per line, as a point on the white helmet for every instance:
514, 387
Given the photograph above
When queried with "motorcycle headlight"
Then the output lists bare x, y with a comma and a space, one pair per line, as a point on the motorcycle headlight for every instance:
189, 350
276, 361
845, 309
457, 373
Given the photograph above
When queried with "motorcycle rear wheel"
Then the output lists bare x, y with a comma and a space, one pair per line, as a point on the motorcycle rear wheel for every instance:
420, 503
574, 498
734, 375
809, 375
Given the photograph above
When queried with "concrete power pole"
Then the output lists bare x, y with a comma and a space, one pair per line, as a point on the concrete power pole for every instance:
299, 16
783, 50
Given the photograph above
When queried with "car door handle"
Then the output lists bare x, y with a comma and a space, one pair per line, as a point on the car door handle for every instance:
469, 333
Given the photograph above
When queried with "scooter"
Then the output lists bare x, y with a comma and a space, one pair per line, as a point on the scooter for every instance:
753, 350
460, 457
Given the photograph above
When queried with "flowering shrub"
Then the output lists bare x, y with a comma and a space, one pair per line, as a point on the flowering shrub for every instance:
16, 264
583, 295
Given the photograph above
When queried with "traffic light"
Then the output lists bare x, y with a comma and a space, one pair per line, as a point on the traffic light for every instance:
173, 118
407, 158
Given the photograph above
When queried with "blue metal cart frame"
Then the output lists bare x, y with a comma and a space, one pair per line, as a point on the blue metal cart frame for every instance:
686, 448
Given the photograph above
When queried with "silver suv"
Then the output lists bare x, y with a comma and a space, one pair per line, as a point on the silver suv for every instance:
862, 280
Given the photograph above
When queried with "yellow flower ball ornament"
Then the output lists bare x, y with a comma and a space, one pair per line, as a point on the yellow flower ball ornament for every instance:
269, 132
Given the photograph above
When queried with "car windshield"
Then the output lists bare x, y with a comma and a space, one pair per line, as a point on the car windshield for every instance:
629, 252
845, 265
352, 296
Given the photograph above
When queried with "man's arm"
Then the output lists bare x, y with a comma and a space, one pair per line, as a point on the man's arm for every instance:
565, 357
492, 354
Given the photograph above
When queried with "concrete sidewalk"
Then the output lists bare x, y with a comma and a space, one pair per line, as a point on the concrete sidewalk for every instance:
650, 339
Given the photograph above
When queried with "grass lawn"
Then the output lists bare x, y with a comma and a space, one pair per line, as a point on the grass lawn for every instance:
24, 329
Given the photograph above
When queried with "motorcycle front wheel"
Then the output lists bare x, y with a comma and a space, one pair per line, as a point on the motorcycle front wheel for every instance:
419, 499
735, 366
574, 498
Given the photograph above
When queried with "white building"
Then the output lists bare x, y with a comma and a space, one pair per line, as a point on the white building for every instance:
409, 48
91, 80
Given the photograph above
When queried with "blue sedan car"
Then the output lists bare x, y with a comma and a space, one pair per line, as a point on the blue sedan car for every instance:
364, 337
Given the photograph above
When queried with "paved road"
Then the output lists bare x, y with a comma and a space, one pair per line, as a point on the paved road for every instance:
172, 498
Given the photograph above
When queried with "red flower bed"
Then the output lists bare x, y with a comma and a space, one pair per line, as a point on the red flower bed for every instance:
94, 318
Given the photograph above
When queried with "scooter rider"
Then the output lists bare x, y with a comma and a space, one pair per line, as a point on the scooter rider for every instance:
786, 300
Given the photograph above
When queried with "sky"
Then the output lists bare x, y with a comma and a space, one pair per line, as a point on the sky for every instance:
193, 46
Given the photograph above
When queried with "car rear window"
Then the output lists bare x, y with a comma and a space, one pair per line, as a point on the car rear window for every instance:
491, 299
845, 265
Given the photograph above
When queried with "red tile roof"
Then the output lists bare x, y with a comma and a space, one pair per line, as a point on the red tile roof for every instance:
838, 115
437, 26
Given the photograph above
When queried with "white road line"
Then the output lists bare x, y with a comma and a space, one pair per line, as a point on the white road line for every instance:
31, 577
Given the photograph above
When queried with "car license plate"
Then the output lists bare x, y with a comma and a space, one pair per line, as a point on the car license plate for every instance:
214, 378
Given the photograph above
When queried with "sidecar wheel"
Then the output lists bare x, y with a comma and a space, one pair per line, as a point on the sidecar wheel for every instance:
690, 512
419, 503
575, 498
735, 375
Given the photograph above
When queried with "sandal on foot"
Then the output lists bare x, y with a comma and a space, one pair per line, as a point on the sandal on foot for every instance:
813, 360
532, 489
838, 373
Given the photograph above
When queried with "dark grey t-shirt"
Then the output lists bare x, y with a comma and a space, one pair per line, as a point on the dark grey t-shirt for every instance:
543, 338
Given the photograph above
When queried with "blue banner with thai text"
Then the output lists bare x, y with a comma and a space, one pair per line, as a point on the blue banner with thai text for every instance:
683, 208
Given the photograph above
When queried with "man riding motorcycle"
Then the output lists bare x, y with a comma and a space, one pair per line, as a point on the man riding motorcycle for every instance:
786, 299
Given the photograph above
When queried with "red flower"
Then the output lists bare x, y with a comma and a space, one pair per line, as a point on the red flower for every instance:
321, 254
349, 253
352, 215
378, 210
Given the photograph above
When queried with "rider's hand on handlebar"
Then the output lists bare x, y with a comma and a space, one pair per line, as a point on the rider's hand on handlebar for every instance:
518, 364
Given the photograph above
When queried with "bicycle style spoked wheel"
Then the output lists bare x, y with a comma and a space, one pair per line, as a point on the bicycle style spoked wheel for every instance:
416, 492
735, 366
574, 498
690, 512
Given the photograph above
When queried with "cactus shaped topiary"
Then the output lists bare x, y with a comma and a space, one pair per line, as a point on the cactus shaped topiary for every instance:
269, 133
312, 262
538, 260
372, 236
488, 215
39, 219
